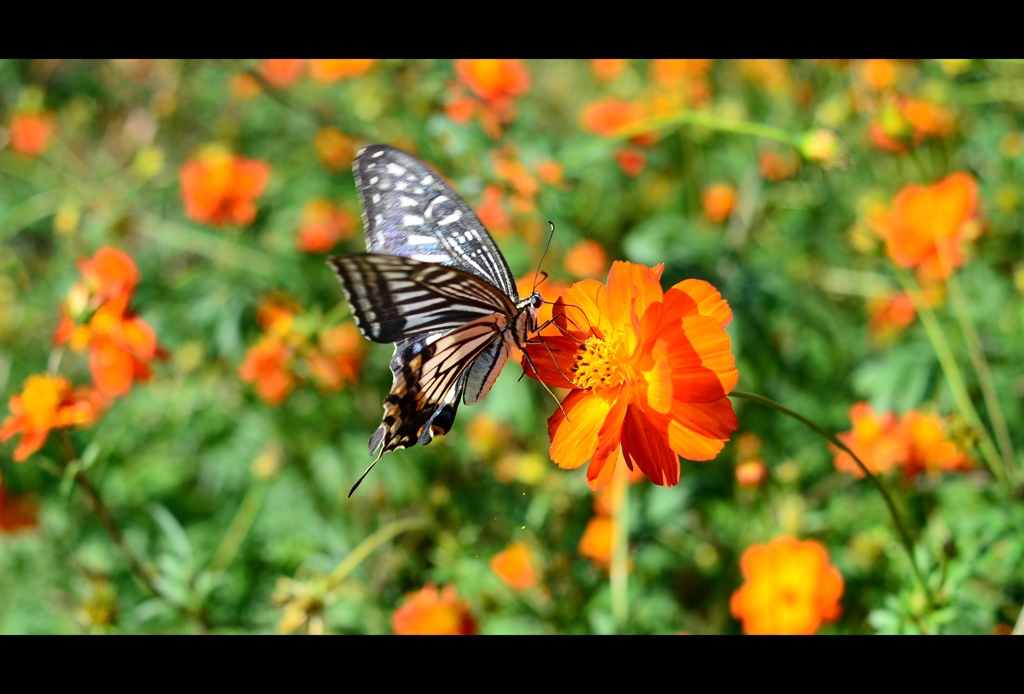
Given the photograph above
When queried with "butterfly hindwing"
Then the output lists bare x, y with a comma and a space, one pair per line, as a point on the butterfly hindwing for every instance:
395, 298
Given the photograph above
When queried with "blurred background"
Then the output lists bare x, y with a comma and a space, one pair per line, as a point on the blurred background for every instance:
188, 402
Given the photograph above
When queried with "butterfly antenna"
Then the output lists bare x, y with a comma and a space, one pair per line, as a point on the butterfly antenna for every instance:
546, 246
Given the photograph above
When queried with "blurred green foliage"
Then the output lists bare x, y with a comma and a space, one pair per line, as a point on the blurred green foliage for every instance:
223, 495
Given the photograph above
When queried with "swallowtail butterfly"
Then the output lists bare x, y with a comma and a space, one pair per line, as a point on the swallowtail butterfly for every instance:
433, 282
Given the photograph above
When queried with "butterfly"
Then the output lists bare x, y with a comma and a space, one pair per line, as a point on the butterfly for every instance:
433, 282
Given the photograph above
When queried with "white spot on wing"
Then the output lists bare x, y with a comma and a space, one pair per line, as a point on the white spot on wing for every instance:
373, 180
401, 185
429, 258
395, 169
421, 240
406, 201
411, 220
453, 217
427, 180
379, 219
376, 198
375, 154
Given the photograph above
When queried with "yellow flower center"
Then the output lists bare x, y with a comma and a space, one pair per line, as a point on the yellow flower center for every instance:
598, 365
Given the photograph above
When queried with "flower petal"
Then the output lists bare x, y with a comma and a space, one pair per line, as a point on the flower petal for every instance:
112, 367
602, 464
584, 309
644, 445
697, 297
554, 363
574, 440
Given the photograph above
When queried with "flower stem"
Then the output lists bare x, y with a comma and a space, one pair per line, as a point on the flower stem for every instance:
369, 544
908, 544
990, 457
240, 526
708, 120
619, 570
988, 390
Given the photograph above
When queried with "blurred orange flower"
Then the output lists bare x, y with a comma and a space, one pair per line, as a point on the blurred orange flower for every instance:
927, 224
879, 74
718, 200
927, 119
790, 588
334, 149
95, 316
339, 354
516, 567
220, 188
747, 445
268, 366
494, 80
930, 448
676, 72
596, 543
770, 74
877, 440
281, 72
323, 225
244, 85
612, 115
332, 70
433, 611
585, 259
607, 69
461, 108
889, 314
550, 171
632, 161
751, 473
32, 132
777, 166
491, 211
47, 403
648, 369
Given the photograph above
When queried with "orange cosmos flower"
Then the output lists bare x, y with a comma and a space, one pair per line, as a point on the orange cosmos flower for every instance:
433, 611
550, 172
491, 211
494, 80
612, 115
927, 225
607, 69
877, 440
585, 259
631, 160
718, 200
930, 449
281, 72
778, 166
110, 275
221, 188
751, 473
879, 74
323, 225
516, 567
649, 370
676, 72
791, 588
338, 355
596, 543
32, 132
46, 403
334, 149
268, 365
331, 71
888, 314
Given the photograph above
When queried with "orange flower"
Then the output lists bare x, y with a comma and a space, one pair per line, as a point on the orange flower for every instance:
331, 71
927, 225
778, 166
244, 85
879, 74
927, 119
121, 345
888, 314
494, 80
607, 69
32, 132
610, 116
220, 188
751, 473
631, 160
585, 259
791, 588
46, 403
281, 72
340, 353
930, 449
648, 369
268, 365
675, 72
718, 200
491, 211
771, 74
323, 225
877, 440
550, 171
596, 543
433, 611
515, 566
461, 109
747, 445
334, 149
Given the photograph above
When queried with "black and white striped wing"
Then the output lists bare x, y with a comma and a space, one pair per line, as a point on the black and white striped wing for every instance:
394, 299
409, 210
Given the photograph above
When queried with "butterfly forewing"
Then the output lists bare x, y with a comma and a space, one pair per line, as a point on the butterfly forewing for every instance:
409, 210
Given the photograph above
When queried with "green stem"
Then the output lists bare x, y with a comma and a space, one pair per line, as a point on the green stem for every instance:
988, 390
908, 544
240, 526
619, 570
368, 545
990, 457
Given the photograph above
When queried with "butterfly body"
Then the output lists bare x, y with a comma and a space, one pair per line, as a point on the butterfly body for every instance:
434, 283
